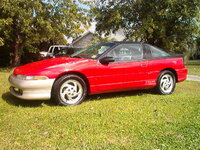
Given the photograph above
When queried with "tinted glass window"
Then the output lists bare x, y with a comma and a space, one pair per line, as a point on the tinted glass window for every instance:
56, 49
156, 52
67, 51
127, 52
94, 51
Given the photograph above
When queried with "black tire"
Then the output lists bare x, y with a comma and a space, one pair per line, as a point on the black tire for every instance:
55, 93
159, 88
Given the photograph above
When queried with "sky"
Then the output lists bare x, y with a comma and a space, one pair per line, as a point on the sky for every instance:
83, 6
93, 24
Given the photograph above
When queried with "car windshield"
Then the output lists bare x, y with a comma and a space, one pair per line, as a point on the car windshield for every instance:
67, 51
94, 51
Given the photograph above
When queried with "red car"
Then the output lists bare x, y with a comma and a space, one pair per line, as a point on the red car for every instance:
104, 67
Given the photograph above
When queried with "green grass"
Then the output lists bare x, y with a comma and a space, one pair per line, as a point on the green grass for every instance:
127, 120
193, 62
193, 67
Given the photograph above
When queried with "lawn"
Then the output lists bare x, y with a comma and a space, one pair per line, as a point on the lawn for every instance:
193, 67
127, 120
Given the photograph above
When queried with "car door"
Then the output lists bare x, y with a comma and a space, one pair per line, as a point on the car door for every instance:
128, 71
156, 62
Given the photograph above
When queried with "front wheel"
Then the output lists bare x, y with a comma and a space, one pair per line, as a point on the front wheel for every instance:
69, 90
166, 83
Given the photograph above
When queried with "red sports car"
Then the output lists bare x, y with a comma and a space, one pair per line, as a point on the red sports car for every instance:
104, 67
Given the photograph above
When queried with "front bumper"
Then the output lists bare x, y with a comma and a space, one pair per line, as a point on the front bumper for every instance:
31, 89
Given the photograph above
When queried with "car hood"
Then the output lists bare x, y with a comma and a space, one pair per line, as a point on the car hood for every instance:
44, 65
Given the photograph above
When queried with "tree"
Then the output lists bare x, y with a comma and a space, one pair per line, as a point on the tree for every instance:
98, 39
26, 24
196, 54
169, 24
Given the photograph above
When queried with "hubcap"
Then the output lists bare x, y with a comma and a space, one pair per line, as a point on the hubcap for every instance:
71, 91
167, 83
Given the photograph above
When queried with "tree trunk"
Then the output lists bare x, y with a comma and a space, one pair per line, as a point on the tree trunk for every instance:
16, 41
16, 57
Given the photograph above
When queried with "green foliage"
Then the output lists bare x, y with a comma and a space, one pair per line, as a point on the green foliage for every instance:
1, 42
26, 24
197, 53
127, 120
169, 24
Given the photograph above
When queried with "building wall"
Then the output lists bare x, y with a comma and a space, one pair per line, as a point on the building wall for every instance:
83, 42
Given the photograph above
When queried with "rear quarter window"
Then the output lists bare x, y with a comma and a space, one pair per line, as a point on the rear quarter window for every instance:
156, 52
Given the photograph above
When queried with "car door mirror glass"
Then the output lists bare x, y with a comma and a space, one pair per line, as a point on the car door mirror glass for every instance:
106, 60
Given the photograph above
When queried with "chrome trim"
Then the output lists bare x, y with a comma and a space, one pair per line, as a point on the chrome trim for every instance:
32, 89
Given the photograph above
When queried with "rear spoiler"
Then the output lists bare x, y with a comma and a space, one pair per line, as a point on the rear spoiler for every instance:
179, 56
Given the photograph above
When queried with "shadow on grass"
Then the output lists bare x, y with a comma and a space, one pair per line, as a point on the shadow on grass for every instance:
10, 99
118, 94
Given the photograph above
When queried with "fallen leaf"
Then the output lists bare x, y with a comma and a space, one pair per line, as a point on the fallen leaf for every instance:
180, 136
46, 133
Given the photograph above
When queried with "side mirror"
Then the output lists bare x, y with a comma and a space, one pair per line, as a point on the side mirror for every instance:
106, 60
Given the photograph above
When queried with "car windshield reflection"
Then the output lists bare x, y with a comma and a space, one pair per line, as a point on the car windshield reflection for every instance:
93, 52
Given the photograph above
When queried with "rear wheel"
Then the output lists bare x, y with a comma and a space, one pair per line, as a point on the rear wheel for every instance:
69, 90
166, 83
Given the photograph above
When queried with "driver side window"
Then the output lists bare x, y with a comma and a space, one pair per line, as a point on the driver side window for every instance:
126, 52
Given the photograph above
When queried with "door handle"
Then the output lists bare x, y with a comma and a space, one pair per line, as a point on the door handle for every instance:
143, 65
